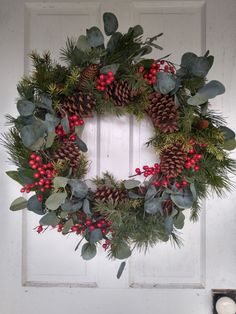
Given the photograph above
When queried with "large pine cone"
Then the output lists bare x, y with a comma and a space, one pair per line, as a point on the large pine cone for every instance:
120, 93
106, 193
163, 112
78, 103
172, 160
68, 151
88, 74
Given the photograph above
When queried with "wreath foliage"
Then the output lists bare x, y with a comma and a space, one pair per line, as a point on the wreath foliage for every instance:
45, 144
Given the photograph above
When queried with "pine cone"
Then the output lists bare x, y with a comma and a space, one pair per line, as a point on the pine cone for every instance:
88, 74
120, 93
68, 151
78, 103
106, 193
163, 112
172, 160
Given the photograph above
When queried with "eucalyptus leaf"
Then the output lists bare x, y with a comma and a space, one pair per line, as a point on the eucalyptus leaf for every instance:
122, 251
34, 205
78, 188
229, 144
133, 195
65, 124
14, 175
200, 67
79, 130
33, 135
228, 133
26, 176
113, 41
184, 199
166, 82
178, 220
137, 30
110, 23
95, 235
131, 184
50, 219
152, 206
46, 103
111, 67
25, 107
50, 139
209, 91
83, 44
151, 192
55, 200
168, 224
95, 37
18, 204
67, 226
81, 144
121, 269
70, 206
86, 207
60, 182
51, 122
88, 251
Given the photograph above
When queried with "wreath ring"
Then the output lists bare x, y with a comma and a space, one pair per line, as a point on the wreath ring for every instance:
45, 144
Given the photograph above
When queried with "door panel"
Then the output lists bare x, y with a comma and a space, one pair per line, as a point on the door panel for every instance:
50, 266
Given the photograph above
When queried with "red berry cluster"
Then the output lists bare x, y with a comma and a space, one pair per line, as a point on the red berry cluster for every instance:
106, 244
104, 80
182, 184
153, 171
148, 171
91, 225
44, 175
73, 121
39, 229
194, 156
150, 75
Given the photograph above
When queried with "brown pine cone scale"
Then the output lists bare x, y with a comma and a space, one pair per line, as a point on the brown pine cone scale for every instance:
163, 112
172, 160
68, 151
80, 104
88, 74
120, 93
106, 193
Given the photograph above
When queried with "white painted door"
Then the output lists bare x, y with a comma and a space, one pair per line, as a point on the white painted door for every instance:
42, 273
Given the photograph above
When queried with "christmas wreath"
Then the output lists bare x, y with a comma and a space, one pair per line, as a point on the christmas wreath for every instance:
45, 144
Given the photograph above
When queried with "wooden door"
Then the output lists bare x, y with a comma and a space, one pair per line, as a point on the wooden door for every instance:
42, 273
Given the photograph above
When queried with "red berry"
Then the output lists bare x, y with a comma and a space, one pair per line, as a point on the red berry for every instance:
196, 168
88, 222
32, 156
137, 170
39, 229
22, 190
157, 183
164, 182
104, 246
42, 189
177, 185
203, 145
91, 228
102, 88
199, 156
74, 228
145, 167
40, 198
37, 158
191, 151
102, 77
141, 69
110, 73
31, 162
162, 61
184, 183
104, 231
99, 225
